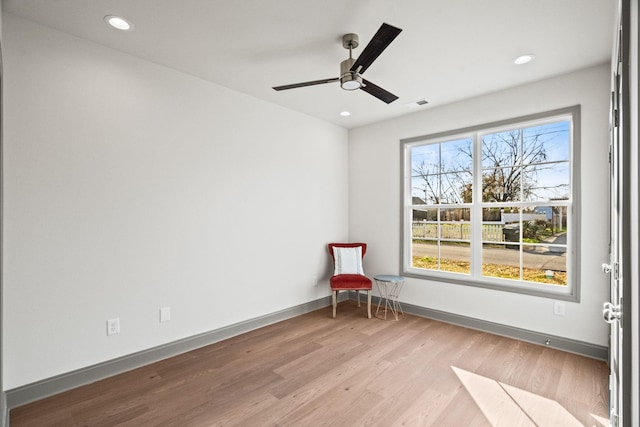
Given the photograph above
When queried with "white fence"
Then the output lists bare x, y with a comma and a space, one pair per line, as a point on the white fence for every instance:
491, 231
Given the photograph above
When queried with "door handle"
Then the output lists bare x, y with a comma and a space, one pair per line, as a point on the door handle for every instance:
611, 312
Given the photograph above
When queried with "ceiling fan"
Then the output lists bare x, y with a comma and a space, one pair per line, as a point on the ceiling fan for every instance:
351, 70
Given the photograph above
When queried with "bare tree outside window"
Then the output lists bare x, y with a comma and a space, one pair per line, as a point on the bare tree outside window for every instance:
441, 171
512, 162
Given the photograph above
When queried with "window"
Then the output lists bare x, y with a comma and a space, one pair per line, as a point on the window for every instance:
493, 205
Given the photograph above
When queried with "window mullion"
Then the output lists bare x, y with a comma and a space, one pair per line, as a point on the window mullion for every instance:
476, 208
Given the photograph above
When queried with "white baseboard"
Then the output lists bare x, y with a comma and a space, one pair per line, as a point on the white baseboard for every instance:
54, 385
48, 387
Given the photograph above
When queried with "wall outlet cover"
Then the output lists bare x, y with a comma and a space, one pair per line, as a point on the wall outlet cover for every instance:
113, 326
559, 308
165, 314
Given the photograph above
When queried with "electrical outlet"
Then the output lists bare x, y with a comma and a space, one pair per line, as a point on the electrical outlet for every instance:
113, 326
559, 308
165, 314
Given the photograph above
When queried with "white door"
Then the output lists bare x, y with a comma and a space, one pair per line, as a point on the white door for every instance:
612, 309
613, 312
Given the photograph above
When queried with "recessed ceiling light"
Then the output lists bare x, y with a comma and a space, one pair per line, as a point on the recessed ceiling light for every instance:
345, 114
118, 22
523, 59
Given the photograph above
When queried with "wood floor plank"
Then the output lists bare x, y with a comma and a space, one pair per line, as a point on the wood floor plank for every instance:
411, 413
426, 401
348, 400
463, 410
494, 401
545, 374
348, 371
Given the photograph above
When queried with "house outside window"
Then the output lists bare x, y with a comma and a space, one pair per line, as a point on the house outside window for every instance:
493, 205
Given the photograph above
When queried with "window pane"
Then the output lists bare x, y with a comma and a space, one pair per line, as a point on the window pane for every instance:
501, 225
424, 254
547, 182
510, 215
544, 264
425, 214
501, 184
492, 232
455, 257
425, 189
492, 214
545, 224
441, 172
424, 224
441, 239
502, 236
425, 158
546, 143
456, 187
455, 224
426, 186
455, 214
501, 260
501, 149
425, 173
456, 156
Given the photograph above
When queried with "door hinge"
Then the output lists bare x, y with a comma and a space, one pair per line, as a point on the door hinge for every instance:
612, 268
616, 119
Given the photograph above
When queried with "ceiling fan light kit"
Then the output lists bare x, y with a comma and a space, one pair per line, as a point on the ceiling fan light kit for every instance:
349, 80
351, 69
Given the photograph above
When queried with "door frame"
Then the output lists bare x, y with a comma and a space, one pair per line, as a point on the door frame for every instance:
631, 306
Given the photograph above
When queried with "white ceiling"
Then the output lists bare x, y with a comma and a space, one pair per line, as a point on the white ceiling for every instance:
449, 49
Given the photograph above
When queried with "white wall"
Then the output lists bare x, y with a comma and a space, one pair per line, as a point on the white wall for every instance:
130, 186
374, 202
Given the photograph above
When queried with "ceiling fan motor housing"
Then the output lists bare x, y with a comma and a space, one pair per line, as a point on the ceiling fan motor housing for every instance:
349, 80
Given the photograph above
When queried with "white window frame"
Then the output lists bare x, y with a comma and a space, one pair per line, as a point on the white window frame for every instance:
570, 292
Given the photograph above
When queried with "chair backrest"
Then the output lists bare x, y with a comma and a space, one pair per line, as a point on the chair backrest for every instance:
347, 245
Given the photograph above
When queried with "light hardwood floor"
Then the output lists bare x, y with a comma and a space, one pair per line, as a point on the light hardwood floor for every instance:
313, 370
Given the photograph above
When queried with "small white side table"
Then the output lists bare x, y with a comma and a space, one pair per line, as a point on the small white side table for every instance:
389, 288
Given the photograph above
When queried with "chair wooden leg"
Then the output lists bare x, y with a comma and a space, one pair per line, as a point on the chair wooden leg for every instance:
369, 303
358, 297
334, 299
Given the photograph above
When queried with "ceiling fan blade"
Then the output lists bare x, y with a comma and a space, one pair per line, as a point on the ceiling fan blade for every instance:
378, 92
383, 37
315, 82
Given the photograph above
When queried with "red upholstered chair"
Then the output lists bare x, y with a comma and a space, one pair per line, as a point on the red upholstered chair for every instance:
348, 274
